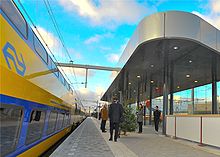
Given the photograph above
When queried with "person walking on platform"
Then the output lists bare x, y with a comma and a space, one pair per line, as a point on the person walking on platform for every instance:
115, 115
104, 116
157, 114
140, 115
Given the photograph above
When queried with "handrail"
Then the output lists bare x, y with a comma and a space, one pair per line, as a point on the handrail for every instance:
199, 115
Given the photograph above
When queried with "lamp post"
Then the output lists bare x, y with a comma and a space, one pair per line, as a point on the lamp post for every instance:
138, 90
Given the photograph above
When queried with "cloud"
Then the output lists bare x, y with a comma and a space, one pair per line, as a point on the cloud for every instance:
84, 91
123, 46
51, 40
97, 37
113, 75
105, 48
109, 13
213, 17
89, 97
77, 55
55, 45
215, 5
100, 91
92, 95
113, 57
93, 39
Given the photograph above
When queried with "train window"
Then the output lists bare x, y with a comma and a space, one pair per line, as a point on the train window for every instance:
54, 68
62, 79
15, 16
60, 121
35, 126
71, 90
52, 122
40, 49
69, 119
68, 85
10, 118
66, 120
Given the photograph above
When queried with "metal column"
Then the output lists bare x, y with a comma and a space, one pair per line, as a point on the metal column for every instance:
193, 100
144, 114
138, 94
171, 103
150, 108
171, 89
214, 86
165, 91
120, 97
86, 78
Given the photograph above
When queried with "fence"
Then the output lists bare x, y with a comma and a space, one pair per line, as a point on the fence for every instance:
204, 129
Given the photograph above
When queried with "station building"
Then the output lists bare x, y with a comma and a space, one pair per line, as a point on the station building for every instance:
173, 61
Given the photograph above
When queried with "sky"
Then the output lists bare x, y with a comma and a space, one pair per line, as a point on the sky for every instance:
95, 32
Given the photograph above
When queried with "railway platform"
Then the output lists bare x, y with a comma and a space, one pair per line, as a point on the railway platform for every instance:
88, 141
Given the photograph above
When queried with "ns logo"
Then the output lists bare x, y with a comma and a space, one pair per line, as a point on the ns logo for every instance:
18, 64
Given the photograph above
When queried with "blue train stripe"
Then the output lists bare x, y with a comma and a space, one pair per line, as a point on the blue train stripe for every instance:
28, 106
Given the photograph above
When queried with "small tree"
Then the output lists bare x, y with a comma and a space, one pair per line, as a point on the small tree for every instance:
129, 123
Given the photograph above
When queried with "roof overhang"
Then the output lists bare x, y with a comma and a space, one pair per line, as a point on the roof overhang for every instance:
191, 47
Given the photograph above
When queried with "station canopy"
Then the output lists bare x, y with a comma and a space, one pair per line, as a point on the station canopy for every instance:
179, 44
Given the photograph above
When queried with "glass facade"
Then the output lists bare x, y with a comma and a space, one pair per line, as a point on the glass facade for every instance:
182, 102
203, 99
191, 101
189, 75
157, 102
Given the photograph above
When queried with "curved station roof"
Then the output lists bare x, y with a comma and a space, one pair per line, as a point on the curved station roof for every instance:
179, 43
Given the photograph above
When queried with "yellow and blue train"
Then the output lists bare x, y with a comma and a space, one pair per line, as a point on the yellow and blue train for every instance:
36, 102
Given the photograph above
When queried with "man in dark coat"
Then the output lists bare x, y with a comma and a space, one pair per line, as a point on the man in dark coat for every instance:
157, 114
115, 115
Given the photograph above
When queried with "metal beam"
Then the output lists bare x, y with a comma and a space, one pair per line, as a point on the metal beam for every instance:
88, 66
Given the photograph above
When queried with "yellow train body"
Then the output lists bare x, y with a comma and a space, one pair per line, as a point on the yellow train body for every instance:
38, 84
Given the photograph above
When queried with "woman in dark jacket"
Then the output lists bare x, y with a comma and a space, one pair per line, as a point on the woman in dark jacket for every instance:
140, 115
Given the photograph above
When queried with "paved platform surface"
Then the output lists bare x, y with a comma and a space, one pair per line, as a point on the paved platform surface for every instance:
85, 141
150, 144
88, 141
